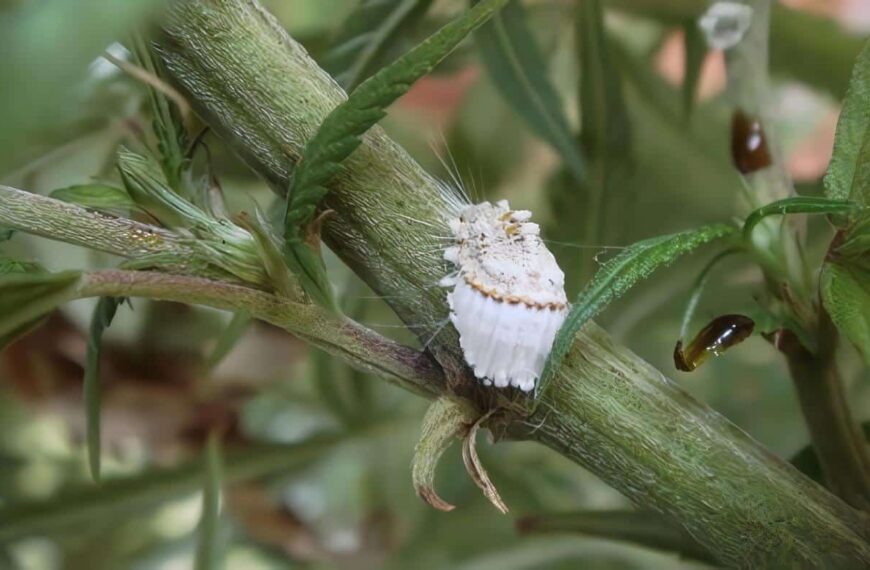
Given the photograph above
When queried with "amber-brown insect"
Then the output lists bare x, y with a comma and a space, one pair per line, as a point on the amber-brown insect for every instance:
748, 143
718, 336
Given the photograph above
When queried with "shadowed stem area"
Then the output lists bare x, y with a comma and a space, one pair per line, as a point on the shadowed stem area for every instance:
607, 409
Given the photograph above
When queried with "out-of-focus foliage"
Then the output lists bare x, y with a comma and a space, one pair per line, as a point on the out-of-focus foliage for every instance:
315, 455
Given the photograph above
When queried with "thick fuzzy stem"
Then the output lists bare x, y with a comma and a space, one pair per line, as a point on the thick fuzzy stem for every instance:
607, 409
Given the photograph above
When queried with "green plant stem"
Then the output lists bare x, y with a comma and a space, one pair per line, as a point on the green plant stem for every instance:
606, 409
337, 335
838, 440
62, 221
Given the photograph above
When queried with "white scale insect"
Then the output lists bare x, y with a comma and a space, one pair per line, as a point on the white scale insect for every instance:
508, 295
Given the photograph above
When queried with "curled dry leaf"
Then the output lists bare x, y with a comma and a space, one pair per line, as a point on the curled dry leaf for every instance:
444, 421
475, 467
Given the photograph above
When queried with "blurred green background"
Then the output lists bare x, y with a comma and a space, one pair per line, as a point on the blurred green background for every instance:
348, 502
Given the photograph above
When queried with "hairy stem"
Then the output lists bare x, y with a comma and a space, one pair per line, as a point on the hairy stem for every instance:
62, 221
607, 409
337, 335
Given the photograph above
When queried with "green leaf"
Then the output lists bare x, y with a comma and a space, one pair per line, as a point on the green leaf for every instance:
635, 263
854, 248
6, 234
605, 128
340, 134
209, 548
848, 176
172, 139
846, 296
514, 61
795, 205
99, 197
367, 36
147, 186
228, 339
269, 248
9, 266
605, 135
104, 312
28, 296
698, 289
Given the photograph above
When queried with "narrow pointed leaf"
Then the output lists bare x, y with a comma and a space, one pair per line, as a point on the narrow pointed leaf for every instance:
695, 47
10, 266
848, 176
340, 134
368, 35
104, 313
99, 197
698, 289
515, 63
172, 139
228, 339
634, 264
796, 205
28, 296
846, 296
209, 549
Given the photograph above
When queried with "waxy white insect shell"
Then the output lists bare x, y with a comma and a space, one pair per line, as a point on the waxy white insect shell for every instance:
508, 297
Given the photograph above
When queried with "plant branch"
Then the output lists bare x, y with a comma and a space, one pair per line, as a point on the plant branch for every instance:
62, 221
340, 336
838, 441
606, 409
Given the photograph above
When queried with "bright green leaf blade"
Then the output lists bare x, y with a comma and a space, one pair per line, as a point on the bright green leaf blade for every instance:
104, 313
209, 549
848, 176
635, 263
28, 296
339, 135
367, 36
795, 205
514, 62
99, 197
846, 296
